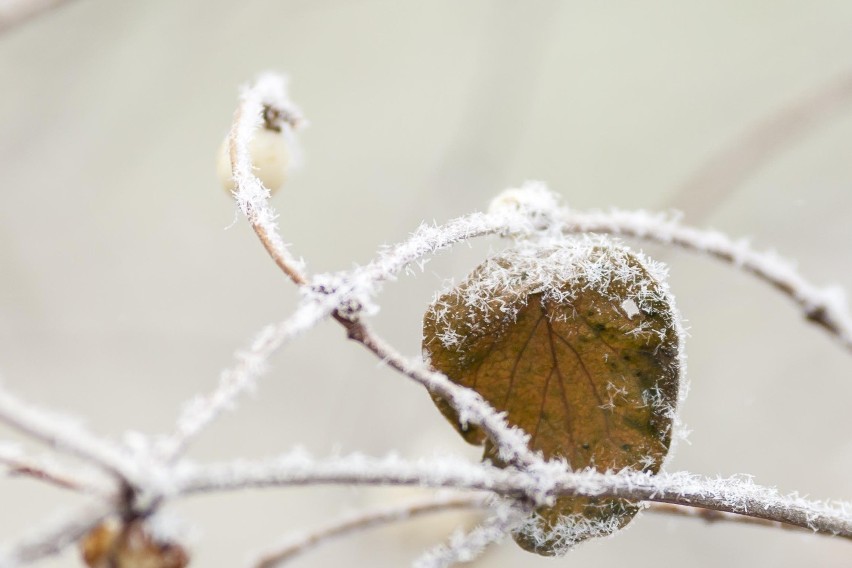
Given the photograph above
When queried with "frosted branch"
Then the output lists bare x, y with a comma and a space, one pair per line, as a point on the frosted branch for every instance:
825, 307
53, 536
16, 12
533, 212
48, 470
738, 494
717, 177
371, 518
250, 365
711, 516
267, 92
511, 442
65, 435
465, 547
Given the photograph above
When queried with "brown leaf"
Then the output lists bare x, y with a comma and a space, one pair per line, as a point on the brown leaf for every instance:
578, 344
114, 544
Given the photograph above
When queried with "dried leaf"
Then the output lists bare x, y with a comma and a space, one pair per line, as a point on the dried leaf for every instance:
114, 544
578, 344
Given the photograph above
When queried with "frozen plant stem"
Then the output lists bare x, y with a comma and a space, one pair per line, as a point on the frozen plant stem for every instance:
253, 199
53, 536
65, 437
16, 12
737, 495
371, 518
466, 547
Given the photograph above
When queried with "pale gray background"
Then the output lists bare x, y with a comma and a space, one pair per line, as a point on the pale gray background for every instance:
121, 295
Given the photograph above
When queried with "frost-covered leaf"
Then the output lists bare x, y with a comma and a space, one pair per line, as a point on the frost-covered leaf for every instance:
578, 343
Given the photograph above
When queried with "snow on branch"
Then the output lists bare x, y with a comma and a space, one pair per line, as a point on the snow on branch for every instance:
53, 536
250, 364
16, 12
66, 435
533, 211
737, 494
48, 469
268, 92
511, 442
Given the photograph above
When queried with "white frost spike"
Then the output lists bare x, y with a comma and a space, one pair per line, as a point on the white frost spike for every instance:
630, 308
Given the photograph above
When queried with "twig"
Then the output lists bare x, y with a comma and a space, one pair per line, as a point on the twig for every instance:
65, 436
250, 364
16, 12
268, 91
47, 470
53, 537
465, 547
363, 520
533, 211
739, 495
727, 168
512, 442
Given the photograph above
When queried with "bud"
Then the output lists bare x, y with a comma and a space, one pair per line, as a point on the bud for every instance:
270, 156
115, 545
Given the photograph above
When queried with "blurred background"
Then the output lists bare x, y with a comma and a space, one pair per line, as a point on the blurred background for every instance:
122, 294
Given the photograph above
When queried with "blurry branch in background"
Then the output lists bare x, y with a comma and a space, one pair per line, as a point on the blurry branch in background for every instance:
301, 543
712, 516
144, 472
499, 99
48, 470
726, 169
16, 12
54, 535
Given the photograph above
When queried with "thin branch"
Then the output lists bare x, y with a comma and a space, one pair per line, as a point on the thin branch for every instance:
739, 495
735, 162
465, 547
48, 471
15, 12
512, 442
250, 365
53, 536
371, 518
66, 436
267, 92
